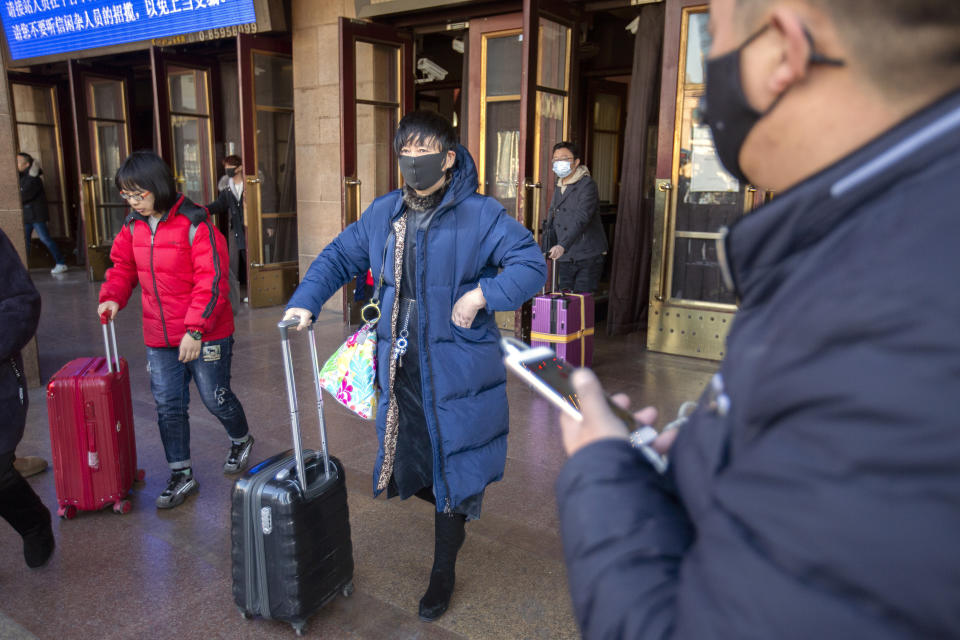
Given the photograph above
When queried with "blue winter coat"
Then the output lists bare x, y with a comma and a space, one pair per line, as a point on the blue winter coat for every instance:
815, 493
471, 240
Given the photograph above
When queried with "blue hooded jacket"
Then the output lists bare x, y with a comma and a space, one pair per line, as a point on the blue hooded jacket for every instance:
471, 241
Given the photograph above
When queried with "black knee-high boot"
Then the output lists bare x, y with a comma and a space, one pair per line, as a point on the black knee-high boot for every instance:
449, 533
25, 512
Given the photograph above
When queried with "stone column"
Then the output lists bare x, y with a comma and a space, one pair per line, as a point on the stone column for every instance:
316, 101
11, 216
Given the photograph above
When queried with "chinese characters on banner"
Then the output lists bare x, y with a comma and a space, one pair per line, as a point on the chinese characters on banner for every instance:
45, 27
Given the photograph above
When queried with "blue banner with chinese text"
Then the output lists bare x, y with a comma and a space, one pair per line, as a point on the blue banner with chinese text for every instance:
37, 28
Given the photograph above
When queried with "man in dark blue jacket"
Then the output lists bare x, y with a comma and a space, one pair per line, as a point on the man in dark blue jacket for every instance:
815, 492
19, 316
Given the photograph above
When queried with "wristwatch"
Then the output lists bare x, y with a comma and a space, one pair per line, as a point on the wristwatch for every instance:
193, 333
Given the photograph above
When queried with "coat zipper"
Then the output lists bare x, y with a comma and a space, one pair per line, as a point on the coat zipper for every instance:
426, 351
156, 291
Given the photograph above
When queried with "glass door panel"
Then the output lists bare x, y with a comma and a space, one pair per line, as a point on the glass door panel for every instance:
269, 164
691, 308
277, 173
110, 144
376, 91
191, 129
500, 116
38, 133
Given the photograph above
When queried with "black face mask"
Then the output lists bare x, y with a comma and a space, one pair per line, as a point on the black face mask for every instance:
727, 111
422, 172
231, 171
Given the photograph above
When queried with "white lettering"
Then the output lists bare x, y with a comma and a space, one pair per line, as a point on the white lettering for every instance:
151, 8
97, 18
128, 12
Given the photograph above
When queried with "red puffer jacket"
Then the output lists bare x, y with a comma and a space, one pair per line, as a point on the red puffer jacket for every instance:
185, 284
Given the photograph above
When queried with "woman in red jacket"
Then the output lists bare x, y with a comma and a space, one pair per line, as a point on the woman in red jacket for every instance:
169, 245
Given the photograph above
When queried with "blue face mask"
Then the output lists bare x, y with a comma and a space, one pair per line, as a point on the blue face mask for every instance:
562, 168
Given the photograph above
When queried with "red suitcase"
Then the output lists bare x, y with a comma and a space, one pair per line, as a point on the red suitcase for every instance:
91, 433
564, 321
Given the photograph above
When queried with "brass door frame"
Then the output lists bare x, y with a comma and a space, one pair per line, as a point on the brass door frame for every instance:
352, 32
679, 326
268, 284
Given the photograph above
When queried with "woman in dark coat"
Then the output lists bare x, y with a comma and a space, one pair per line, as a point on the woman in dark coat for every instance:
19, 316
572, 233
449, 258
34, 203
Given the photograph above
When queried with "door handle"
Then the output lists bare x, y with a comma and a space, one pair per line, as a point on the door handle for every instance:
89, 178
353, 182
254, 180
256, 265
529, 184
664, 187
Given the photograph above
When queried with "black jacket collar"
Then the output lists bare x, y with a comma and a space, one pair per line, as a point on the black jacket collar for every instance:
805, 214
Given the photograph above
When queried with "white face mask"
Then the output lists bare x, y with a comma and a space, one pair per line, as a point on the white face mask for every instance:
562, 168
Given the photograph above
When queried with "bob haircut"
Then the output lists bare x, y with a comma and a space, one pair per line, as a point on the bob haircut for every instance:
424, 127
147, 171
569, 146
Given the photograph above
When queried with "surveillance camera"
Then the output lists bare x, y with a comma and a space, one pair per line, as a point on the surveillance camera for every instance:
431, 69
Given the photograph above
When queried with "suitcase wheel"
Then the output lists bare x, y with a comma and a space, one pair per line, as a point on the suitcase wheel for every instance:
122, 506
347, 590
246, 615
140, 475
67, 512
299, 627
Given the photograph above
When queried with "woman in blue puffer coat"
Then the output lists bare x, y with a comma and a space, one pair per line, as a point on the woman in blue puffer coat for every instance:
449, 258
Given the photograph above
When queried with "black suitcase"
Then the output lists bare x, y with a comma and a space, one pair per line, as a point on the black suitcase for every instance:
291, 543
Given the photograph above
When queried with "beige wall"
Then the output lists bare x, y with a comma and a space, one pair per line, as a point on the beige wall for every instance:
11, 218
316, 101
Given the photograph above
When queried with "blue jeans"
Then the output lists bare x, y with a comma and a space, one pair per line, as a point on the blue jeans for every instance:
45, 238
170, 383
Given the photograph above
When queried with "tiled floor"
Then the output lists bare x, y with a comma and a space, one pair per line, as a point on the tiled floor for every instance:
166, 574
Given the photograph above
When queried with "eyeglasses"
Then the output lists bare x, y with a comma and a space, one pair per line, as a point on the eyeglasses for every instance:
134, 198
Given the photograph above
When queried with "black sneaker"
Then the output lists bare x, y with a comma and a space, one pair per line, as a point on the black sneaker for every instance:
239, 456
181, 485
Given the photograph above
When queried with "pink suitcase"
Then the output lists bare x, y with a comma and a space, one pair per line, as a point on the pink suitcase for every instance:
91, 433
564, 321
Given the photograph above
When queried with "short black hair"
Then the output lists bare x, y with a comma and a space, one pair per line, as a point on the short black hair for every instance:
234, 160
572, 147
26, 155
904, 46
425, 126
146, 170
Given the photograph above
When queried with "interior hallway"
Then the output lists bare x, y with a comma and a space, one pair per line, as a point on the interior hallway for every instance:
166, 574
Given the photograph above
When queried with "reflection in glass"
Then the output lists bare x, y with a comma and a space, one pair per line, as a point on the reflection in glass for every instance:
553, 55
698, 46
277, 173
111, 150
33, 104
377, 66
708, 197
503, 65
191, 157
106, 99
550, 128
375, 128
188, 90
40, 141
279, 239
273, 80
502, 153
697, 274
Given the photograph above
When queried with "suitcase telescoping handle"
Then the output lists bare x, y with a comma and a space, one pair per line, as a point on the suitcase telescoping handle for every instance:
284, 327
553, 281
104, 321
